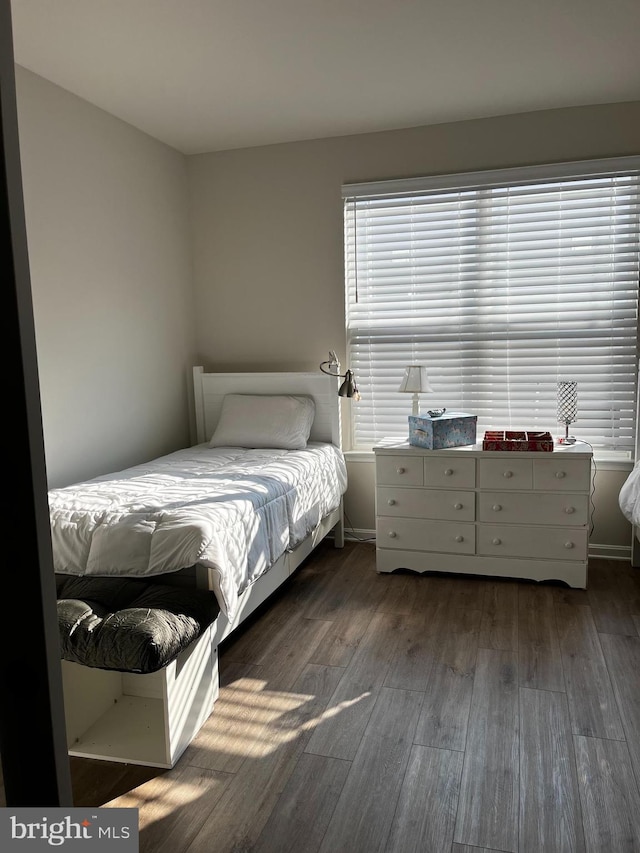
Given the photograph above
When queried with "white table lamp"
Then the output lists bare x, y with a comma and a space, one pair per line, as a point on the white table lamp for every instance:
415, 381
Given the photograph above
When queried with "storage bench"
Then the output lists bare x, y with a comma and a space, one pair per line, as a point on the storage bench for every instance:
139, 667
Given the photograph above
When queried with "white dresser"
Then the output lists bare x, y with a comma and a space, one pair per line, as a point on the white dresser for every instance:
497, 513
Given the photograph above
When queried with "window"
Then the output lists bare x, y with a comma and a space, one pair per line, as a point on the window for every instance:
501, 284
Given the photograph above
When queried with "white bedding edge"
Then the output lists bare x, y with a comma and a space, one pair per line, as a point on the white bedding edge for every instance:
243, 509
629, 496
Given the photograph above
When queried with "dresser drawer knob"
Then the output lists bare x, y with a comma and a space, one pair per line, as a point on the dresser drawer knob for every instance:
568, 545
448, 472
497, 541
391, 501
560, 475
569, 510
496, 507
508, 474
457, 506
399, 470
459, 538
392, 534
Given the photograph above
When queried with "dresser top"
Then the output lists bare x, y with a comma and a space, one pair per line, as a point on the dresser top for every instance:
396, 444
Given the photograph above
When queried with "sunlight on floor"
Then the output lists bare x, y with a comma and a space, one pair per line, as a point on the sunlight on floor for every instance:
168, 795
249, 720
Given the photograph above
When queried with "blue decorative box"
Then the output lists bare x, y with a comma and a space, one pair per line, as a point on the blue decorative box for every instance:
452, 429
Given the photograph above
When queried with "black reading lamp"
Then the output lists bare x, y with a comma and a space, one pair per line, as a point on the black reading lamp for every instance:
332, 368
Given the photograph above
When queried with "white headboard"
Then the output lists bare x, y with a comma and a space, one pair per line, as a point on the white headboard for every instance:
209, 390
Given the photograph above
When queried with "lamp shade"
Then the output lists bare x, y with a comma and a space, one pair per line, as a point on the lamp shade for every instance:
348, 387
567, 402
567, 407
415, 380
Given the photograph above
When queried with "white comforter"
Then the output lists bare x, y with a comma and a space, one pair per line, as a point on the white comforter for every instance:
629, 496
234, 511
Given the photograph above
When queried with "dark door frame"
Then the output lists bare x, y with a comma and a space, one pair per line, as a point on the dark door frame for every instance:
35, 762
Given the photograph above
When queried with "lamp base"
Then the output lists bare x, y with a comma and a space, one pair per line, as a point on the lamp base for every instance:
566, 438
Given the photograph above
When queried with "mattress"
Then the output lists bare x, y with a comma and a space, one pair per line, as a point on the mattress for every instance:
234, 511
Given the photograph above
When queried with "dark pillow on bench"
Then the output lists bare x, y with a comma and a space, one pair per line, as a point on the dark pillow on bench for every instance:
129, 625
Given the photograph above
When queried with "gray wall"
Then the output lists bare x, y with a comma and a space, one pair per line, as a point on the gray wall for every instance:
268, 241
107, 216
267, 221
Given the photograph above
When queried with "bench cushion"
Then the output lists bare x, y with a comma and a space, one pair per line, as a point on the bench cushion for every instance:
129, 625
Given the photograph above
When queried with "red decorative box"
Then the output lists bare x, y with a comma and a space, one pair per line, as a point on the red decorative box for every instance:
517, 440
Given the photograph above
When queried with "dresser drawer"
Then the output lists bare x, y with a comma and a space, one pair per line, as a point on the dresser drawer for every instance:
504, 473
554, 543
560, 474
450, 472
400, 470
414, 534
533, 508
426, 503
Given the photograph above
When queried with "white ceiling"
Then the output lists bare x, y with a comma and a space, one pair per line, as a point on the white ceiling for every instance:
208, 75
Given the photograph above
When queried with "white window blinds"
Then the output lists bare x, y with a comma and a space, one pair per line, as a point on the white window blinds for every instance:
501, 284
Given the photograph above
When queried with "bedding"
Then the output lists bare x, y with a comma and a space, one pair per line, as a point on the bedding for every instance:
232, 510
629, 496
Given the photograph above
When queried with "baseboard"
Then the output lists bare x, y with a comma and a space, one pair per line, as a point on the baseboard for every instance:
610, 552
358, 534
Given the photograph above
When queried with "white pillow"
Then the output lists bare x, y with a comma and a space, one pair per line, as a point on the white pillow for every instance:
280, 421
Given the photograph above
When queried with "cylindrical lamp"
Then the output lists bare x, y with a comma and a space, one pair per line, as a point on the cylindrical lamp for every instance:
567, 407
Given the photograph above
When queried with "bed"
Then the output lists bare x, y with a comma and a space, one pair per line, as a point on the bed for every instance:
629, 495
629, 502
233, 514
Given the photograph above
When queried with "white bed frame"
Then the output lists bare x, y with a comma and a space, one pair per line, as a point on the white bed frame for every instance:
151, 719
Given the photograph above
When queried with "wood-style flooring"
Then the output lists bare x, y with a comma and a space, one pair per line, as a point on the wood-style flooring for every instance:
404, 712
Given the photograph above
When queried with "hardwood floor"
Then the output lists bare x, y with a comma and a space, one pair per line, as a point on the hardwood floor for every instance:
403, 712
